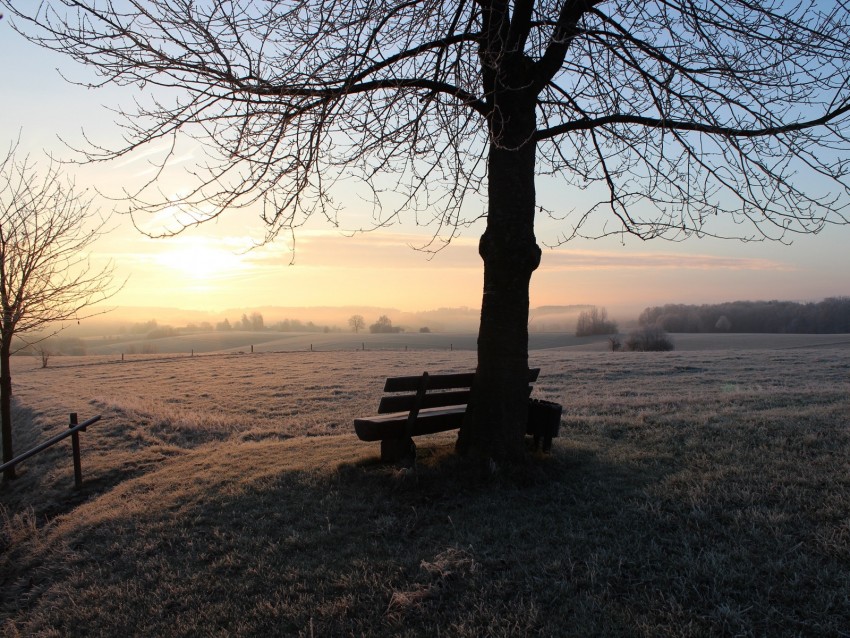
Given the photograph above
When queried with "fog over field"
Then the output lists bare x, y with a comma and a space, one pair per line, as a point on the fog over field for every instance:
459, 319
160, 331
270, 341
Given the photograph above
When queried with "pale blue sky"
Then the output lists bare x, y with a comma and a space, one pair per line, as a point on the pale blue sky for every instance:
203, 269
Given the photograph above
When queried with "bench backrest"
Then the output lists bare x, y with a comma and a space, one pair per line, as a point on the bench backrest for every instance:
432, 391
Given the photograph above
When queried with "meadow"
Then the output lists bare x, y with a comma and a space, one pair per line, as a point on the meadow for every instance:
700, 492
238, 341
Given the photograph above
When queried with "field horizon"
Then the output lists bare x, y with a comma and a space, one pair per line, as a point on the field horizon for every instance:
704, 491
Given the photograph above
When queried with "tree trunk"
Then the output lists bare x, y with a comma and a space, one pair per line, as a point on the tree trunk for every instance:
6, 405
496, 420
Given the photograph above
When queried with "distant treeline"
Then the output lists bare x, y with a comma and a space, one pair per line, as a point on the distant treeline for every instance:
829, 316
254, 323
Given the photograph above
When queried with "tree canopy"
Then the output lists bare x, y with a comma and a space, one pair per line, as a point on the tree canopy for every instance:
671, 112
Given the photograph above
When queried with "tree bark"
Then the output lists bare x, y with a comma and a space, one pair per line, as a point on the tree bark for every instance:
6, 405
494, 428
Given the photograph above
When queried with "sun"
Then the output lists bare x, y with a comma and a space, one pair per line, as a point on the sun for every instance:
199, 261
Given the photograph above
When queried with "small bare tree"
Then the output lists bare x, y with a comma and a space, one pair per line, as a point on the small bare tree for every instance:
46, 278
357, 323
43, 354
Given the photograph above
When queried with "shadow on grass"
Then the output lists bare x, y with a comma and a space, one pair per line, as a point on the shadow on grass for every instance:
364, 548
26, 434
580, 546
44, 486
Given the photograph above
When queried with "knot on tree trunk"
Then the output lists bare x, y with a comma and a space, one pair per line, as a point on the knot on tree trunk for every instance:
515, 252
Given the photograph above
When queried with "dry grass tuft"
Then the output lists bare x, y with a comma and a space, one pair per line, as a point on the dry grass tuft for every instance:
16, 528
690, 494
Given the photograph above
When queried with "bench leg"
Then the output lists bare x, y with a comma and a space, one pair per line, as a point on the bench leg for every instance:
547, 441
394, 450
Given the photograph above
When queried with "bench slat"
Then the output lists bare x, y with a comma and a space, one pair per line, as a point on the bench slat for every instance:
429, 421
441, 381
405, 402
435, 382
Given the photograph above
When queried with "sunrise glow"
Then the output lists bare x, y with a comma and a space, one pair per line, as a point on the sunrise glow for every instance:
194, 261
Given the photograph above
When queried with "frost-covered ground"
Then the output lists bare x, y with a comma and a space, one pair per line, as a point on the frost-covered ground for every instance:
704, 491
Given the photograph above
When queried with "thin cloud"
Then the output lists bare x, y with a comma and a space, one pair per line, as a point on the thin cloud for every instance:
395, 250
600, 260
381, 251
323, 249
389, 250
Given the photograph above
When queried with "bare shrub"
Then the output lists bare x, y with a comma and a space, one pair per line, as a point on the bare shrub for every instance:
44, 355
649, 339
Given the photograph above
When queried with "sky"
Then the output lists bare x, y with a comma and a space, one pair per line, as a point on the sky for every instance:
210, 268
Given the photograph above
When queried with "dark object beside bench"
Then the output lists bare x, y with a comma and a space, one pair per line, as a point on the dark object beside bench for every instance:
435, 403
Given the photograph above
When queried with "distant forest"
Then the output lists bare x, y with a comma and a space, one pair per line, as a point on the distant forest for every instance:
831, 315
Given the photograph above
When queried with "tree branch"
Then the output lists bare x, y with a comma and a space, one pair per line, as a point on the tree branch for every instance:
588, 123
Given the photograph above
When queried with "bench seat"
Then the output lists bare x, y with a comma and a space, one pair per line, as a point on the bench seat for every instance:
428, 421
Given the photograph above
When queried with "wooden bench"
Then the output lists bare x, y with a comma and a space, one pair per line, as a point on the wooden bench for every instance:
427, 404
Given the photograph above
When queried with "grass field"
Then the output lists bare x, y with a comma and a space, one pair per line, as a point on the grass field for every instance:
700, 492
269, 341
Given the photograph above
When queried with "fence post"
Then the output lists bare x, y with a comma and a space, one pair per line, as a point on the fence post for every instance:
75, 445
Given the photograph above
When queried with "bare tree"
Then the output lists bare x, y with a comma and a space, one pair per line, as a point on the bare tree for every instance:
43, 353
594, 322
357, 323
46, 229
675, 116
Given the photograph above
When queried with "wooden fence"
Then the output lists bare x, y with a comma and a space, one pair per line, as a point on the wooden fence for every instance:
73, 431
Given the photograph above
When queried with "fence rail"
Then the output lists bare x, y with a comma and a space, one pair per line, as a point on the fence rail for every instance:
73, 431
